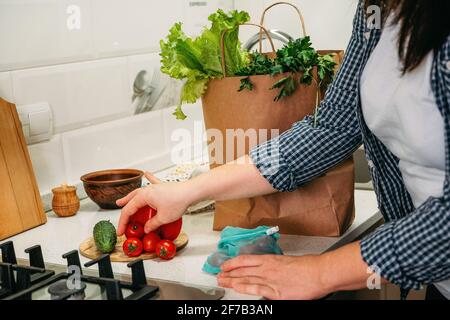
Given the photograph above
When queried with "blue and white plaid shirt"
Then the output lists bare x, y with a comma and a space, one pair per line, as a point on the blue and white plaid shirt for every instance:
413, 246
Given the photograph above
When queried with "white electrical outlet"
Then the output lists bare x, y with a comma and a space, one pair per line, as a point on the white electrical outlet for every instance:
37, 122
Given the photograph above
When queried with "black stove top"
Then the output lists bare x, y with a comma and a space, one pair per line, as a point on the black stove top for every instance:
41, 281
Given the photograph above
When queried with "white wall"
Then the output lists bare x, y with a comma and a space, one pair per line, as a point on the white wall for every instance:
86, 74
328, 22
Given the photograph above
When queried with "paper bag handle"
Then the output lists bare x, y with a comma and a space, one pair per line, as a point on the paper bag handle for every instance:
222, 43
302, 21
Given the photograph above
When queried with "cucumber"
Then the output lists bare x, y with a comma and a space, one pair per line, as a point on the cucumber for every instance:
105, 236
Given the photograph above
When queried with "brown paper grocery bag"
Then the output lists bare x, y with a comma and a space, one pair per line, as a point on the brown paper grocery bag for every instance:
323, 207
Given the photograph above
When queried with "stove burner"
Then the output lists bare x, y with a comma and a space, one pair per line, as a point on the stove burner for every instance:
33, 279
59, 290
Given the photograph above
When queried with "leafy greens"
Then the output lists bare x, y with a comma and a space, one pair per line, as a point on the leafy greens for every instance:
296, 56
196, 61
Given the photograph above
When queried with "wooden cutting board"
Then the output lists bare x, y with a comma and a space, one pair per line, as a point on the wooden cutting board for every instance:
90, 251
20, 202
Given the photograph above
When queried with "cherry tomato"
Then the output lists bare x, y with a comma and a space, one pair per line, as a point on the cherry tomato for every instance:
166, 249
172, 230
150, 241
143, 215
133, 247
134, 230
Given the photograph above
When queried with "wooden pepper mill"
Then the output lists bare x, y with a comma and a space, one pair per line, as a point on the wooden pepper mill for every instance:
65, 201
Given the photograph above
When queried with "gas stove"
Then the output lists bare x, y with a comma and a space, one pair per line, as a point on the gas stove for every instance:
33, 279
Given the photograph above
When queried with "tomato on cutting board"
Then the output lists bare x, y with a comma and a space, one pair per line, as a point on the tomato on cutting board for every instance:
133, 247
134, 230
172, 230
166, 249
150, 241
143, 215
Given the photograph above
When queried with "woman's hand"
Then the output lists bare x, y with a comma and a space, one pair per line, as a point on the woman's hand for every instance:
169, 199
306, 277
274, 277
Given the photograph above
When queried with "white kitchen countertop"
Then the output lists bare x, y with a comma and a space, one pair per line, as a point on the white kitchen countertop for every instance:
60, 235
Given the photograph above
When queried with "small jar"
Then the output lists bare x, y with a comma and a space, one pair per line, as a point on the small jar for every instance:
65, 201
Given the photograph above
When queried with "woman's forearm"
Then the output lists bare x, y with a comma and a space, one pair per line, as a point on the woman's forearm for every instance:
238, 179
299, 277
344, 269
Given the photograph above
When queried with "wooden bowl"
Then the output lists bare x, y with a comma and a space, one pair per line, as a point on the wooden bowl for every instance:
107, 186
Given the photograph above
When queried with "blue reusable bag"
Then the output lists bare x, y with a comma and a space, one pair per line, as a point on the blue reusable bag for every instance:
238, 241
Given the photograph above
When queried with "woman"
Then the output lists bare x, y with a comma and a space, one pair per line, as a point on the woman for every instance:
392, 94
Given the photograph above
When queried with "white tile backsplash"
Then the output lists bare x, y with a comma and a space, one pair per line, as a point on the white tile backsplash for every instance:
193, 125
48, 163
46, 32
6, 89
80, 94
124, 25
35, 32
194, 121
114, 144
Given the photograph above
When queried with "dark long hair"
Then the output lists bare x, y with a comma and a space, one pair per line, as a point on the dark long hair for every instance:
424, 26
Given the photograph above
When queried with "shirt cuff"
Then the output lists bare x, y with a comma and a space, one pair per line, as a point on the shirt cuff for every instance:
272, 165
378, 250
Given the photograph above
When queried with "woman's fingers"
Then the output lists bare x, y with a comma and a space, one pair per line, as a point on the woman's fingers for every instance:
131, 208
150, 177
229, 282
123, 201
242, 261
152, 224
134, 204
249, 285
123, 221
242, 272
255, 290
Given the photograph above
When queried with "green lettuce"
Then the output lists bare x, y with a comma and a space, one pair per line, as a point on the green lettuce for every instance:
198, 60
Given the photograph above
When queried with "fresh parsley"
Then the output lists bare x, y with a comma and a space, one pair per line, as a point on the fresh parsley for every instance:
246, 83
296, 56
